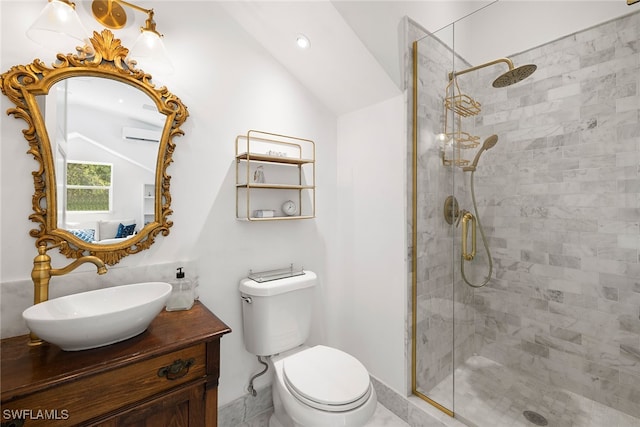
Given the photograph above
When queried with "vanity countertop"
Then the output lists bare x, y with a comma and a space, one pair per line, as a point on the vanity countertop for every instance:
27, 370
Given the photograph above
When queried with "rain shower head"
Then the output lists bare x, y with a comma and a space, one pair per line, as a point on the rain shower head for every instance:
488, 143
514, 75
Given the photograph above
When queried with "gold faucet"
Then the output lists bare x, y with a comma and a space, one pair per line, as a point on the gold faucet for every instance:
42, 273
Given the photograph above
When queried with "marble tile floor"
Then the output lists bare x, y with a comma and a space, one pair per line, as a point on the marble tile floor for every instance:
385, 418
491, 395
487, 414
381, 418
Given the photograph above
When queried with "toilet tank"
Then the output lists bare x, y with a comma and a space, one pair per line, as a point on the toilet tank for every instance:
276, 314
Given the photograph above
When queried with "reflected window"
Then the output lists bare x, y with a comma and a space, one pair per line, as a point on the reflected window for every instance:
89, 186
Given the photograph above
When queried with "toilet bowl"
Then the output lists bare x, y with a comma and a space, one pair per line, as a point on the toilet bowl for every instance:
319, 387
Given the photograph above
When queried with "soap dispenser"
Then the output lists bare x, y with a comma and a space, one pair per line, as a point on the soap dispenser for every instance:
182, 293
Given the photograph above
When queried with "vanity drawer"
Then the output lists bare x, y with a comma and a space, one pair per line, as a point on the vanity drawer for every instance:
96, 395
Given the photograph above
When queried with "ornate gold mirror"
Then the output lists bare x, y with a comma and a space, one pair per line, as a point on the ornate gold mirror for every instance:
102, 135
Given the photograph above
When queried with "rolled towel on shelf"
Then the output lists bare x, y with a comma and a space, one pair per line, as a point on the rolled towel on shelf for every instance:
264, 213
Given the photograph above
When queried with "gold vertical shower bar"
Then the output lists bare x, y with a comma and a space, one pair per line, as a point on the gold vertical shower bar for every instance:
414, 216
466, 219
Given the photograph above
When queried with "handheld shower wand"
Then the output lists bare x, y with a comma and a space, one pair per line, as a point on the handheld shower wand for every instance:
490, 142
487, 144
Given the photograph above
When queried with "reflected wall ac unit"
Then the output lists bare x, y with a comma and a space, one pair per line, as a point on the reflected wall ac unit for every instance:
138, 134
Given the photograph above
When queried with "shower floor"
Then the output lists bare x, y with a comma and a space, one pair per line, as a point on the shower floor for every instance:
491, 395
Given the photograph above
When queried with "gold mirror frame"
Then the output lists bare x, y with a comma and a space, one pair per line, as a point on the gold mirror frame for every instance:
22, 83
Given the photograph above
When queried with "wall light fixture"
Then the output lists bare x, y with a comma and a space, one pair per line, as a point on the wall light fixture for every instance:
58, 25
148, 50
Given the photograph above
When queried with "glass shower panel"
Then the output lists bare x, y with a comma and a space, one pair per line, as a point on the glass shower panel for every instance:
435, 246
448, 114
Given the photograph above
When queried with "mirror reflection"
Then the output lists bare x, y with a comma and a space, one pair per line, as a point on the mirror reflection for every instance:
105, 137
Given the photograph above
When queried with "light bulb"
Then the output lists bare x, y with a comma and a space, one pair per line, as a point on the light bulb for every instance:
302, 41
442, 138
150, 54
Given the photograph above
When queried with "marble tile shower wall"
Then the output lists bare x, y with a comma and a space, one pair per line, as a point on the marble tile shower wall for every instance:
560, 195
435, 267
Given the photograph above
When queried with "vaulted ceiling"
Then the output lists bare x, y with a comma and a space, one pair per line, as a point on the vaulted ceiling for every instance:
357, 46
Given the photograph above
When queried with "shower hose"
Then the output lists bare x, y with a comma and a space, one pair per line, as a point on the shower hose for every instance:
484, 242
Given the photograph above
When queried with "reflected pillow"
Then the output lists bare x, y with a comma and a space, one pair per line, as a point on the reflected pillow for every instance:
125, 230
86, 234
109, 229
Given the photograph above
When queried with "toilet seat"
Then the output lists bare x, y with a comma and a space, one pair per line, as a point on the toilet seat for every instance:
326, 378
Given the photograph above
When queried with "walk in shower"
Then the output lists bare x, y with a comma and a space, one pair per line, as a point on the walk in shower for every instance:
525, 226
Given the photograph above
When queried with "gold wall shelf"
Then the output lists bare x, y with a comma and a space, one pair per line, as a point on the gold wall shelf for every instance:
276, 186
273, 159
270, 170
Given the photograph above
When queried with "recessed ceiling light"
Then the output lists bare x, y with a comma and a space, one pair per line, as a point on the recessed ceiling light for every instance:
302, 41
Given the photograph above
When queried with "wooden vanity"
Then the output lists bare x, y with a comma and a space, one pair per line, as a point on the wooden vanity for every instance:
166, 376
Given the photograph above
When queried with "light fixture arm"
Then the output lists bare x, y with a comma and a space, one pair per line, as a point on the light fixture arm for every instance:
110, 13
133, 6
149, 23
69, 2
477, 67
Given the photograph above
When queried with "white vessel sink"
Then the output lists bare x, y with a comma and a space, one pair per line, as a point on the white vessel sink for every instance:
97, 318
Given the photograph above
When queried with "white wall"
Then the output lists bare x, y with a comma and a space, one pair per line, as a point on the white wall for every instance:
371, 292
230, 85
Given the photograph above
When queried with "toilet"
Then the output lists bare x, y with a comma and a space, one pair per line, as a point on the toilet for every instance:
313, 386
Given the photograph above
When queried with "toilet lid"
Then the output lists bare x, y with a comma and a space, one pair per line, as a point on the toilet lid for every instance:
327, 378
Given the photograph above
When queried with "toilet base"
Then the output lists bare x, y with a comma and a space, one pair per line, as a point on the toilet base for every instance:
279, 418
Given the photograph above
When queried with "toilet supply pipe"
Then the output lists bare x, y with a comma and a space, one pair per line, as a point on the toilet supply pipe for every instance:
251, 389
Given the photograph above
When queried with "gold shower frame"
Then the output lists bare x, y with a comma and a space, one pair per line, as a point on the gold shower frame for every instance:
414, 235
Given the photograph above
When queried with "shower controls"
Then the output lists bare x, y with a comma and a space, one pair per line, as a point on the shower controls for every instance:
451, 210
